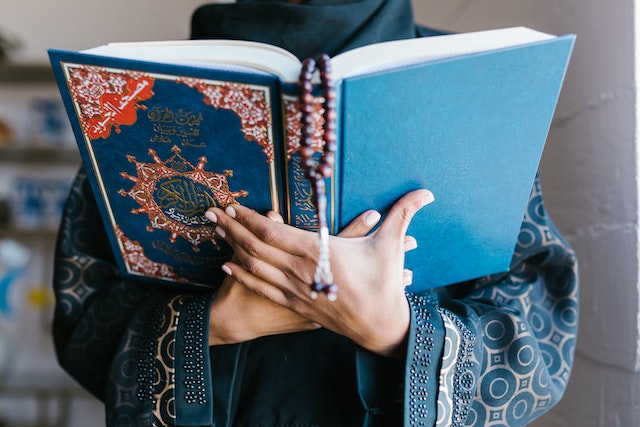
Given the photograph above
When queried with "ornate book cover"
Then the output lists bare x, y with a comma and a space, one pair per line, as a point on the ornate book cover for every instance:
163, 142
162, 148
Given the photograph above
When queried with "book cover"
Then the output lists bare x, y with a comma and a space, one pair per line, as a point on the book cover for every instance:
470, 129
162, 142
160, 148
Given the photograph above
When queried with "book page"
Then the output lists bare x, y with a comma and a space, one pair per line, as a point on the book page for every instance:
231, 55
261, 58
385, 56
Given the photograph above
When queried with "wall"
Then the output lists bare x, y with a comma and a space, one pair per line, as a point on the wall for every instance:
78, 24
589, 172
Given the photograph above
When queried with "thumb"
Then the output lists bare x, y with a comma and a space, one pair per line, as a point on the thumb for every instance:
401, 213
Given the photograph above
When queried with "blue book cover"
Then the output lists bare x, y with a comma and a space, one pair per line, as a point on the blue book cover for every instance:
163, 141
161, 146
472, 130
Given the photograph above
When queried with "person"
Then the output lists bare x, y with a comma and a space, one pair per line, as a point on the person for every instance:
260, 352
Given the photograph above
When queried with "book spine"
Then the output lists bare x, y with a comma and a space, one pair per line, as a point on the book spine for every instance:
300, 208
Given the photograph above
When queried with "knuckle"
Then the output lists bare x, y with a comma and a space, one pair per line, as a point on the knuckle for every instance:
408, 213
253, 266
253, 249
269, 236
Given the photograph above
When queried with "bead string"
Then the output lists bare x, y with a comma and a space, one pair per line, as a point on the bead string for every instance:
317, 171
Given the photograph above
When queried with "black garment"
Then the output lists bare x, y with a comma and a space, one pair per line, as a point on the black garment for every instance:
279, 381
302, 379
310, 28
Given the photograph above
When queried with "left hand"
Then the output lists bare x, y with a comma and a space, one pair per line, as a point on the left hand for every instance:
278, 262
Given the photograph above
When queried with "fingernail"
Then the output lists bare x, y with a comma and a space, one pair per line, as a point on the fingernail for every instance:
226, 269
220, 232
410, 243
427, 199
372, 218
408, 277
211, 216
230, 211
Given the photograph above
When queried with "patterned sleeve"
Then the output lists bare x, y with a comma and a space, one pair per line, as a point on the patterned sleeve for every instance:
497, 351
139, 348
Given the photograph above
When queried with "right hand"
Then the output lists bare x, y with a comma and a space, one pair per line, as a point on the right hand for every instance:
238, 314
279, 262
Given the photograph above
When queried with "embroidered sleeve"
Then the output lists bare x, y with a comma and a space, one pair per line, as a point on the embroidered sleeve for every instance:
504, 345
118, 338
425, 346
529, 323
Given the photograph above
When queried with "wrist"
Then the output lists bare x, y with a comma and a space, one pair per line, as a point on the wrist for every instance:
391, 338
222, 316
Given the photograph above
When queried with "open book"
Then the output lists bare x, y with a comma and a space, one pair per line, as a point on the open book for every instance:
167, 129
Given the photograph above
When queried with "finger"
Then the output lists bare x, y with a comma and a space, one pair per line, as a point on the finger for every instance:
410, 243
407, 277
269, 267
275, 216
245, 244
211, 216
403, 211
282, 236
255, 283
362, 225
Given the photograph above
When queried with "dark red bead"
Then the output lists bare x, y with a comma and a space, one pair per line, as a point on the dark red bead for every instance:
330, 136
308, 128
306, 152
325, 170
329, 158
308, 163
307, 100
307, 86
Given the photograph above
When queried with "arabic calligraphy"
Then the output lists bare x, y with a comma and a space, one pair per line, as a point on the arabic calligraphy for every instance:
184, 200
302, 198
184, 257
175, 126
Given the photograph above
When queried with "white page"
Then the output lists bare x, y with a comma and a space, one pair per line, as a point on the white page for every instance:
238, 55
262, 58
393, 54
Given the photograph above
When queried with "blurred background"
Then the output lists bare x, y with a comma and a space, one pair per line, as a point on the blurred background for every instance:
589, 174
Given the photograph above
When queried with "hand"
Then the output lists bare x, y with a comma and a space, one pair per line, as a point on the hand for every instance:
278, 262
238, 314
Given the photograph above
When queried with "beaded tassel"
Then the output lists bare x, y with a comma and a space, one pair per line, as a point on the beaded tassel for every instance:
318, 171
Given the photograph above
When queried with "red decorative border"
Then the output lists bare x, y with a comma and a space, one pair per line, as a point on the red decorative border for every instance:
137, 262
249, 104
107, 99
292, 116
